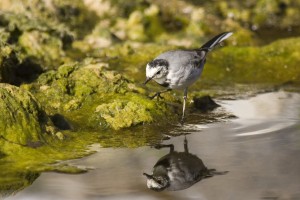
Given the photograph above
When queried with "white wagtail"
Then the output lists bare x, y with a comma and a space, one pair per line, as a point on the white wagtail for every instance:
178, 69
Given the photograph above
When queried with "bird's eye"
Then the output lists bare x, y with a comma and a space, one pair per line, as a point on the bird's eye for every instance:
158, 72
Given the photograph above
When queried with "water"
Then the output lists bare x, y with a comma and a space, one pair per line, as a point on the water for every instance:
260, 150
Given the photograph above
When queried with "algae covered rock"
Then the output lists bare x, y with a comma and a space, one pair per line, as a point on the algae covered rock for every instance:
67, 88
39, 41
57, 17
42, 32
43, 49
90, 95
29, 46
22, 121
276, 63
126, 113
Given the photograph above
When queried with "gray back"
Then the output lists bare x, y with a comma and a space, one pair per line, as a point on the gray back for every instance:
180, 58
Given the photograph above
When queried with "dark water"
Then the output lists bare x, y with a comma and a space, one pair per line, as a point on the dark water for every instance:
260, 150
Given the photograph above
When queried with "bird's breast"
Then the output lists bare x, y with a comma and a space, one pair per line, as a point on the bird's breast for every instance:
183, 77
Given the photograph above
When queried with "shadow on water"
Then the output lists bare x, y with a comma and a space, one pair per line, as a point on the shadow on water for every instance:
178, 170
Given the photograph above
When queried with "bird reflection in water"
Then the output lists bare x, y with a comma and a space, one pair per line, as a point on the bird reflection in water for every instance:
178, 170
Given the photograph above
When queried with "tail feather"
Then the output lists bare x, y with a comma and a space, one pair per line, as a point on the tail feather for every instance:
208, 46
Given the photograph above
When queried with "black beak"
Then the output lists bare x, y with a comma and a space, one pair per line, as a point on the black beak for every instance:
148, 176
147, 80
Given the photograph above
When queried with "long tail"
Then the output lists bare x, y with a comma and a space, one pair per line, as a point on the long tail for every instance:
208, 46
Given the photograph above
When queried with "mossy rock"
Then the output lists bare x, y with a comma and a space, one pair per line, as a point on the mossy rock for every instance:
42, 49
35, 46
124, 113
23, 121
43, 31
89, 95
276, 63
54, 16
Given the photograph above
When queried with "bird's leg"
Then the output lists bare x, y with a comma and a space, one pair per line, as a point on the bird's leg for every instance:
185, 143
157, 94
183, 107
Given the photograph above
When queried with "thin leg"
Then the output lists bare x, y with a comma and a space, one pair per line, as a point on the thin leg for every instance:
184, 102
157, 94
186, 148
159, 146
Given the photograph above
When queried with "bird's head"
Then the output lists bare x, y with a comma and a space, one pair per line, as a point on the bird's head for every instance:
157, 70
157, 183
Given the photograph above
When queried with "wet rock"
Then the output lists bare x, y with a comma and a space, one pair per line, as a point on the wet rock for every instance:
23, 121
205, 103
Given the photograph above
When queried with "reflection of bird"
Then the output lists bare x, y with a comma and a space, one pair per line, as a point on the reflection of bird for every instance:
178, 69
178, 170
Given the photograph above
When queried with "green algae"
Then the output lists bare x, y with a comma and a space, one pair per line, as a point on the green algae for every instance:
24, 121
30, 144
276, 63
22, 165
130, 111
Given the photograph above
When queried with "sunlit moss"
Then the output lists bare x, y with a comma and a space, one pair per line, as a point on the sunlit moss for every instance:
275, 63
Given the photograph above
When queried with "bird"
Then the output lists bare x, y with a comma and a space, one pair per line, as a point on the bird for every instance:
178, 170
178, 69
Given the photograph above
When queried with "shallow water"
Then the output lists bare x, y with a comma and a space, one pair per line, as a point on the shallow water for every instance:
259, 149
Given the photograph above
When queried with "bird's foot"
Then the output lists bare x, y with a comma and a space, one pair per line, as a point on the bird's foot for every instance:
157, 94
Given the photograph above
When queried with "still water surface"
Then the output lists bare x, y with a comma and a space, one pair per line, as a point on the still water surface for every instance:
260, 150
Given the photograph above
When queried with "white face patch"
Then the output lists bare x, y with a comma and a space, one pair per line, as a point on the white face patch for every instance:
151, 72
153, 184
